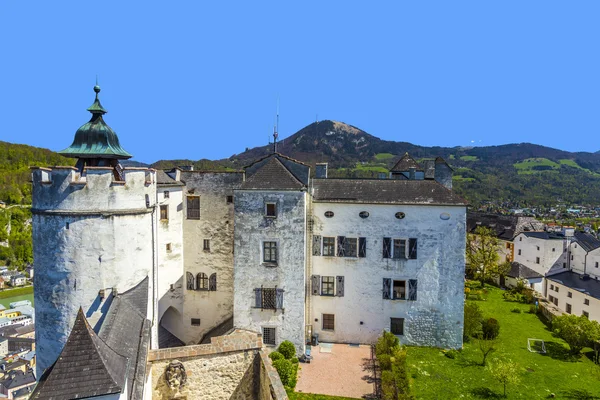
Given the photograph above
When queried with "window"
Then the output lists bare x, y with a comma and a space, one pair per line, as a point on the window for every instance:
166, 194
595, 265
329, 214
399, 290
268, 298
271, 210
363, 214
538, 248
586, 302
564, 265
206, 246
537, 260
329, 246
164, 213
67, 227
347, 247
520, 239
201, 281
585, 314
327, 286
168, 246
195, 321
569, 294
399, 248
571, 257
508, 245
553, 249
270, 252
556, 301
556, 289
519, 252
268, 336
551, 298
551, 287
568, 308
328, 322
397, 326
229, 199
212, 282
193, 207
400, 215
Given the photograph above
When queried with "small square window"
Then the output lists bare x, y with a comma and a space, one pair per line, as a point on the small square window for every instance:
328, 322
569, 294
586, 302
195, 321
271, 210
585, 314
229, 199
551, 287
397, 326
168, 246
329, 246
269, 336
537, 260
164, 213
568, 308
520, 239
270, 252
166, 194
206, 245
327, 285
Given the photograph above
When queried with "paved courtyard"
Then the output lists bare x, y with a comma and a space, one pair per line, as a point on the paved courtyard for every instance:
337, 370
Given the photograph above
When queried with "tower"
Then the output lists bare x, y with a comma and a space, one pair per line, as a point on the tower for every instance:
94, 234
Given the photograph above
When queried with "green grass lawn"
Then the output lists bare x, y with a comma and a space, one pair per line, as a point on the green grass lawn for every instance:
469, 158
307, 396
435, 376
383, 156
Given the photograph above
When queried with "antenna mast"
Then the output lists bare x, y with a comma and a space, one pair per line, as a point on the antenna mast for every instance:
276, 129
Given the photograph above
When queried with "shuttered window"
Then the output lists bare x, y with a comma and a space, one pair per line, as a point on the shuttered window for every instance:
351, 247
201, 281
387, 288
191, 284
339, 289
341, 243
412, 249
327, 286
362, 247
412, 290
316, 245
315, 285
212, 282
399, 289
399, 248
328, 246
268, 298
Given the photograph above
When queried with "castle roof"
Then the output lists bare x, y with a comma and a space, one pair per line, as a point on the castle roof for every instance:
586, 241
405, 164
276, 172
96, 139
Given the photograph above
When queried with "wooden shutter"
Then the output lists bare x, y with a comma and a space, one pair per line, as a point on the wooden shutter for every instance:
412, 289
279, 299
412, 249
190, 281
362, 247
316, 285
387, 247
339, 286
387, 288
212, 282
341, 246
316, 245
258, 298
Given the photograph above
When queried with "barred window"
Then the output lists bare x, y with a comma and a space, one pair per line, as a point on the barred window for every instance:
328, 322
329, 246
206, 245
269, 336
268, 298
270, 252
397, 326
327, 286
193, 207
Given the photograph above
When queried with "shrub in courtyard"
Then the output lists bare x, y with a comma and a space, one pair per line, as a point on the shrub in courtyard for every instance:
578, 332
386, 344
274, 356
294, 360
532, 309
288, 349
505, 372
472, 321
490, 328
286, 370
516, 310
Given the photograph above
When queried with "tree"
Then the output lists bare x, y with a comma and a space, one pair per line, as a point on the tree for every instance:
472, 322
487, 347
578, 332
482, 254
505, 372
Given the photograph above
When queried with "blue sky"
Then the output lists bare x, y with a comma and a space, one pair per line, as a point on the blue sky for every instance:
201, 79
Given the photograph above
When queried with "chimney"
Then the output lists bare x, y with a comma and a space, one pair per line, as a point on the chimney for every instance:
321, 171
443, 173
412, 171
177, 174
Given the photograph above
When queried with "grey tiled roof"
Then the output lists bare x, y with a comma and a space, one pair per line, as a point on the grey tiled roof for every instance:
405, 164
163, 179
518, 270
86, 367
505, 226
166, 339
273, 175
573, 280
384, 191
18, 378
543, 235
586, 241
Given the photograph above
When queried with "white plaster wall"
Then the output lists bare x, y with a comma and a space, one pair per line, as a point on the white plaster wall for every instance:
170, 263
548, 258
109, 244
578, 255
576, 301
215, 224
593, 258
289, 231
436, 318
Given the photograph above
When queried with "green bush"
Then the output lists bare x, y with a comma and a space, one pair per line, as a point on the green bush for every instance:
452, 354
385, 362
516, 310
294, 360
490, 328
288, 349
274, 356
472, 321
386, 344
392, 361
532, 309
294, 377
286, 370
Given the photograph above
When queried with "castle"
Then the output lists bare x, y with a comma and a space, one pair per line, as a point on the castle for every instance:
131, 259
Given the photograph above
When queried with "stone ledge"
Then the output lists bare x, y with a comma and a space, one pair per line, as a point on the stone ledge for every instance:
235, 342
277, 391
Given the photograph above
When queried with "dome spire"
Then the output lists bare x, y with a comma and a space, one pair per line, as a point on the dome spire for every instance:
97, 108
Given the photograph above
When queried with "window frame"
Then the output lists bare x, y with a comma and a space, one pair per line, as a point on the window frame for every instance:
194, 323
190, 213
393, 250
537, 260
585, 314
330, 322
398, 320
329, 246
272, 249
347, 247
166, 194
568, 308
202, 281
165, 208
586, 302
392, 295
206, 245
229, 199
273, 332
270, 215
168, 247
330, 283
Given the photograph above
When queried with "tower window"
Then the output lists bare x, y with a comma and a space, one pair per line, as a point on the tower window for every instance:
166, 194
229, 199
271, 210
270, 252
206, 246
164, 213
193, 207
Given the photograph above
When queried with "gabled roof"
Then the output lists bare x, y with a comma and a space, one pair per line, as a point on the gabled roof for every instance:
163, 179
273, 175
507, 227
86, 367
586, 241
405, 164
18, 378
518, 270
384, 191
